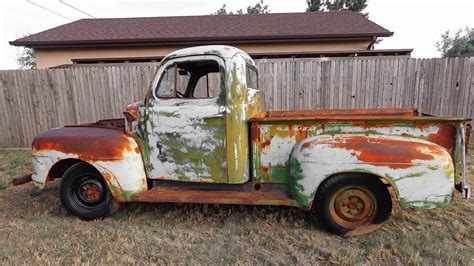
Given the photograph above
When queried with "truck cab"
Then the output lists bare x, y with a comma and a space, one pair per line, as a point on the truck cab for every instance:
202, 136
197, 112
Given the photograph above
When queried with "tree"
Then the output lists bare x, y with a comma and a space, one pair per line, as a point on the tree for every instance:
335, 5
461, 44
25, 57
315, 6
258, 8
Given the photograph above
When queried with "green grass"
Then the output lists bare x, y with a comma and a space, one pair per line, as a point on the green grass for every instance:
35, 229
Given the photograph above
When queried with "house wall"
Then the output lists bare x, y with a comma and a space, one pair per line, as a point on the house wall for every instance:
59, 56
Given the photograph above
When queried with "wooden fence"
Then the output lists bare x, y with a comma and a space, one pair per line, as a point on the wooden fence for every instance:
35, 100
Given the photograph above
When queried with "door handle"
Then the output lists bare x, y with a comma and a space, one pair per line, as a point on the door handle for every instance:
214, 116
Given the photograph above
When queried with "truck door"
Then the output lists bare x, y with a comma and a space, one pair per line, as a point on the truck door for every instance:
186, 129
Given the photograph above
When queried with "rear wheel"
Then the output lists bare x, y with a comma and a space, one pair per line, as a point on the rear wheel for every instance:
85, 194
349, 202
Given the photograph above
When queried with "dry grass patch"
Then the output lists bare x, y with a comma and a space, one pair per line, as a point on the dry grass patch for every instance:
34, 228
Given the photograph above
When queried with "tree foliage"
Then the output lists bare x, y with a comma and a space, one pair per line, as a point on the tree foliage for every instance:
461, 44
357, 6
25, 57
258, 8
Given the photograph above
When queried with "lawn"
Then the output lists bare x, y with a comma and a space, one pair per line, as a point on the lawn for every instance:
35, 229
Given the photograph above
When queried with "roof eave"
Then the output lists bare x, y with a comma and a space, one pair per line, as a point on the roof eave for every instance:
201, 41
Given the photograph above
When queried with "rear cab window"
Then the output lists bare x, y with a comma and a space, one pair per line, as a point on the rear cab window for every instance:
252, 77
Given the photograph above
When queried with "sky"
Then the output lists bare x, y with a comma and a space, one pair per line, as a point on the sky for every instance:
418, 24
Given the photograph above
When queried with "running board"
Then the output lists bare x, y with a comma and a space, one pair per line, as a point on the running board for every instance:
173, 195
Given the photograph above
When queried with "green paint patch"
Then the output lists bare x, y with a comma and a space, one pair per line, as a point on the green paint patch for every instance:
173, 114
412, 175
332, 132
279, 174
425, 204
296, 189
123, 195
143, 151
433, 167
449, 171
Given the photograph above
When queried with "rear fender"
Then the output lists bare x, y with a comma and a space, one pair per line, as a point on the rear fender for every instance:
421, 172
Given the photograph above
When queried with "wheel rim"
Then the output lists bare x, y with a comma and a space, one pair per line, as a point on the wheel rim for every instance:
353, 206
88, 191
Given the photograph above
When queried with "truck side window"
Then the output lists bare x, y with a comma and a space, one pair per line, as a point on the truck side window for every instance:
252, 78
208, 86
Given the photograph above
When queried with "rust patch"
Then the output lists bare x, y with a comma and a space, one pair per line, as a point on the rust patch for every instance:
131, 114
88, 143
263, 145
255, 132
264, 169
306, 145
423, 126
393, 153
444, 137
291, 131
369, 124
302, 133
131, 111
344, 112
215, 197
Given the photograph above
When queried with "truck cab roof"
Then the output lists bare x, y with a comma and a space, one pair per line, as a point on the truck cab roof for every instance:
224, 51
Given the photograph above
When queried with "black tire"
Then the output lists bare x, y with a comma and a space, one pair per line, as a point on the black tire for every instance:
84, 193
339, 199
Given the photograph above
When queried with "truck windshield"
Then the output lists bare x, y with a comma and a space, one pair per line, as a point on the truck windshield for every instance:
252, 78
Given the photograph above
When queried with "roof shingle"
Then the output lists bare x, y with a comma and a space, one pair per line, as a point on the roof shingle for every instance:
182, 29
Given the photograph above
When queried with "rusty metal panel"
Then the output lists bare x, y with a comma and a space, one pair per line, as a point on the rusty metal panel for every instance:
110, 150
274, 141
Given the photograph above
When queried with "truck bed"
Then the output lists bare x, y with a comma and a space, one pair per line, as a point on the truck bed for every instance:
274, 134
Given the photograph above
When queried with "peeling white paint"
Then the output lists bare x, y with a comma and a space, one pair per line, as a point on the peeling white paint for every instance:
126, 173
278, 152
422, 180
182, 122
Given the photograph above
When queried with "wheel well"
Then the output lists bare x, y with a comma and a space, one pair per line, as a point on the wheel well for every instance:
59, 168
383, 180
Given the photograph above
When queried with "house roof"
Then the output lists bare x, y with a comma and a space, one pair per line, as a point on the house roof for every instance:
211, 29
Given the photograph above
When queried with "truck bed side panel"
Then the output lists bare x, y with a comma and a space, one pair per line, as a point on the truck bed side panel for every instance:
274, 140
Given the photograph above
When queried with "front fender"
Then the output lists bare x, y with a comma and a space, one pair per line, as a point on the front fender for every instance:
421, 172
112, 152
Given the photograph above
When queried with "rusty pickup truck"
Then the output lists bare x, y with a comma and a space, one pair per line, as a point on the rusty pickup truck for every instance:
201, 136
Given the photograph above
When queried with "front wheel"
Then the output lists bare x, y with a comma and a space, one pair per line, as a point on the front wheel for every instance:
347, 203
85, 194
